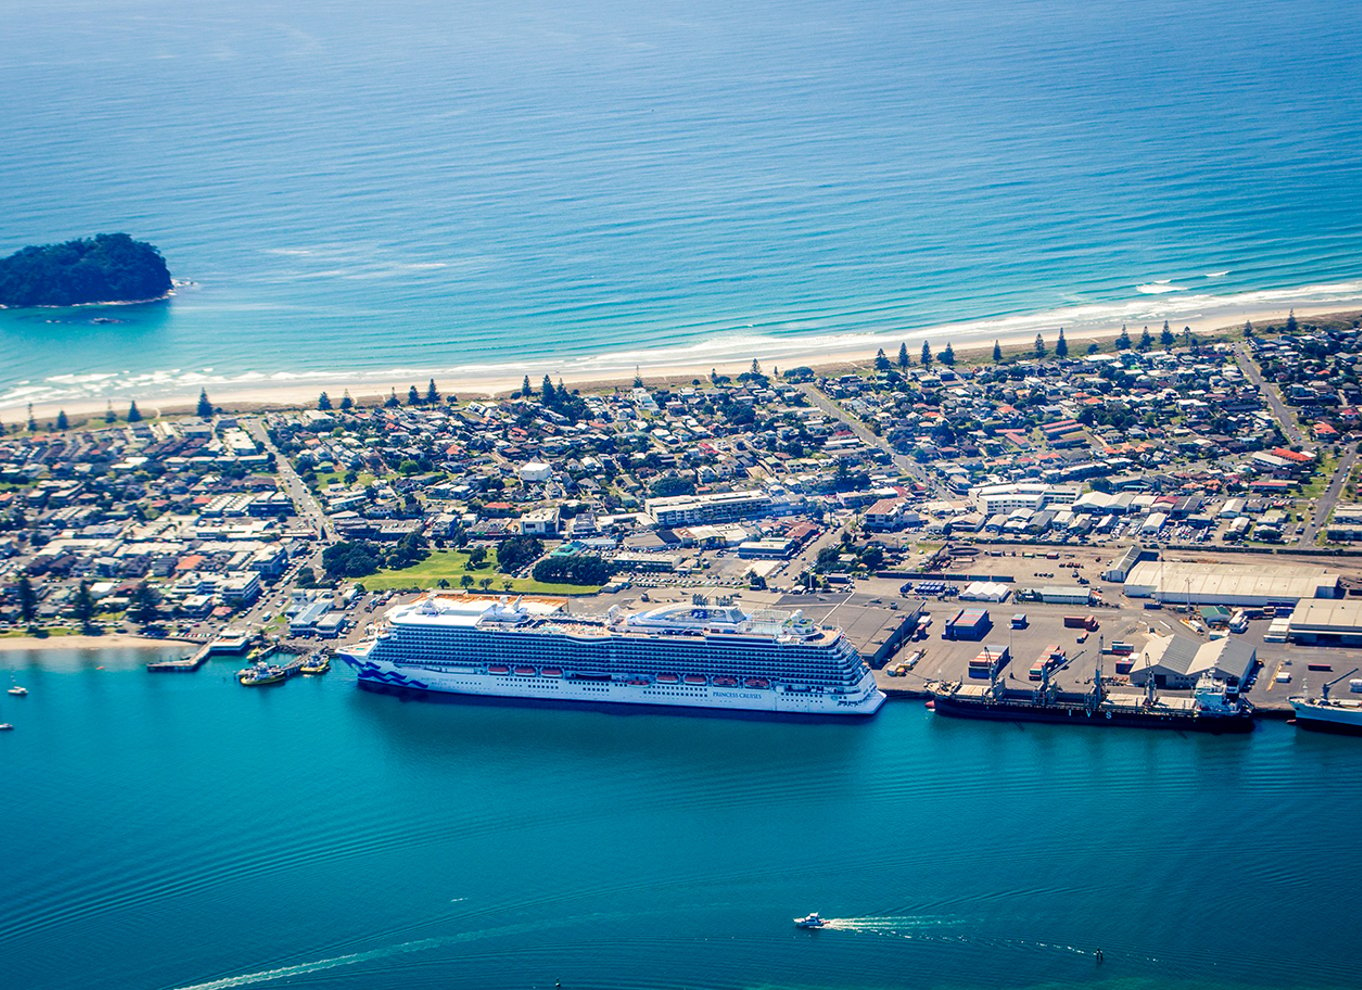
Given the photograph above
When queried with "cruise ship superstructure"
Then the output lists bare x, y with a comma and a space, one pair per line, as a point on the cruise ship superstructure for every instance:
697, 655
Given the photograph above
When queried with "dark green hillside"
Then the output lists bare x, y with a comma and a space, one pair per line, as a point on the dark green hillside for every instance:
105, 268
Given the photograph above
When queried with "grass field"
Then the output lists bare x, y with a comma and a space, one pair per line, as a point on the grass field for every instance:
452, 565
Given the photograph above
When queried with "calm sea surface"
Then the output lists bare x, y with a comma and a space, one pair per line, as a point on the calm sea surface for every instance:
178, 830
420, 184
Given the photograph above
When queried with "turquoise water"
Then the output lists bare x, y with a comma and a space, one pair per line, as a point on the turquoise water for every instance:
424, 185
179, 830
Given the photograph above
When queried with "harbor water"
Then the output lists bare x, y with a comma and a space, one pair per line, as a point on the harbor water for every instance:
179, 830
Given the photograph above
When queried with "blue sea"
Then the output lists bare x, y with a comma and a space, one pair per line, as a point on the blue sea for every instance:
180, 831
505, 185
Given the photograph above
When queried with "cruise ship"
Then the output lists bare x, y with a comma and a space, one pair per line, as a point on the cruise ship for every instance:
696, 655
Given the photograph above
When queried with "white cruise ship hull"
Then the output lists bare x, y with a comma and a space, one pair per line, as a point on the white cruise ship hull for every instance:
1332, 717
863, 699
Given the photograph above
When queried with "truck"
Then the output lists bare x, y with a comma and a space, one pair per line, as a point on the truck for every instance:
1088, 622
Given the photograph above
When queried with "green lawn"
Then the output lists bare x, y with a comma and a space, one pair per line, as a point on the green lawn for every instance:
453, 565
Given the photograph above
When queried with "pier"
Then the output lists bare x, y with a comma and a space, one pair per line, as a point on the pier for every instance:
187, 664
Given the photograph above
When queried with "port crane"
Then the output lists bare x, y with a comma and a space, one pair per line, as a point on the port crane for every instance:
1324, 691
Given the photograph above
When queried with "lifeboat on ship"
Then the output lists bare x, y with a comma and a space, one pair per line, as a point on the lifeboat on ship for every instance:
667, 678
498, 668
757, 682
725, 682
525, 671
696, 679
552, 672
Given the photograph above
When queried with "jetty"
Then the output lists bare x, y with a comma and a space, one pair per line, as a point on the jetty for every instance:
186, 664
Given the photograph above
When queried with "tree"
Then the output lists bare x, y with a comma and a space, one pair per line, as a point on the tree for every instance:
638, 378
205, 408
518, 552
1248, 329
62, 422
477, 556
346, 402
391, 402
881, 362
904, 360
413, 396
997, 352
546, 392
142, 606
756, 368
1039, 346
1291, 322
484, 583
134, 414
1146, 341
83, 605
432, 393
525, 390
28, 599
324, 402
583, 569
105, 268
109, 416
926, 354
1061, 345
947, 355
32, 423
466, 580
1123, 341
1166, 338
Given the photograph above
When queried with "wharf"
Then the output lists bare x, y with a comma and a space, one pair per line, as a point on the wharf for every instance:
183, 665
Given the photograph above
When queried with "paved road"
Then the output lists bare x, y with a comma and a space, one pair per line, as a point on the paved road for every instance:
304, 501
1285, 418
905, 464
1325, 505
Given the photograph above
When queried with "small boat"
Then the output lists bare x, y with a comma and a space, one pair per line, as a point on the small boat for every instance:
317, 663
5, 727
810, 921
18, 691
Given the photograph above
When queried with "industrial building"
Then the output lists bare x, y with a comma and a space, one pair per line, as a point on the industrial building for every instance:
1064, 594
1329, 621
1180, 661
1252, 584
874, 631
1121, 567
968, 623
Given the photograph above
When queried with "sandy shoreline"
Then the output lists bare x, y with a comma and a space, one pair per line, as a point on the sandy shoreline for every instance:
367, 390
113, 641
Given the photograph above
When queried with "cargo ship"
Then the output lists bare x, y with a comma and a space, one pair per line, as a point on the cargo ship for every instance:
1214, 706
697, 655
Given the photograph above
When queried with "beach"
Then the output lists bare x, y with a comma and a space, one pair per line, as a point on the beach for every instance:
826, 355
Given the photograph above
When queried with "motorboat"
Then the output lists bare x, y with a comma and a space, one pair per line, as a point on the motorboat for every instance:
810, 921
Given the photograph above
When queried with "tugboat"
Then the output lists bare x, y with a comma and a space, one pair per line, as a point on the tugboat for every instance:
810, 921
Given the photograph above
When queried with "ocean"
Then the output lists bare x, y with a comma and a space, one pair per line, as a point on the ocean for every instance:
417, 186
180, 831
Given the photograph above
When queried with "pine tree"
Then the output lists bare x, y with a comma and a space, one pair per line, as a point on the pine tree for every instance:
903, 356
926, 354
1123, 341
391, 402
1061, 345
997, 352
83, 606
1248, 330
756, 368
1166, 338
948, 355
525, 390
32, 423
638, 377
432, 393
1146, 341
1291, 322
324, 402
1039, 346
346, 402
413, 396
62, 422
881, 362
109, 416
546, 391
205, 408
134, 414
28, 599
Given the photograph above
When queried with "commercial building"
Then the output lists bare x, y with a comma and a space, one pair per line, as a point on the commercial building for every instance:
687, 510
1180, 661
1252, 584
992, 499
1329, 621
1346, 524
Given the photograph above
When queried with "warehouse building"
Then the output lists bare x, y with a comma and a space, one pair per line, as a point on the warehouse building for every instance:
968, 623
1178, 662
1064, 594
1252, 584
1121, 567
1326, 622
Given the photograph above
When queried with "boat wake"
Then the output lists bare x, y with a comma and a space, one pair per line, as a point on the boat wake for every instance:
937, 931
316, 966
